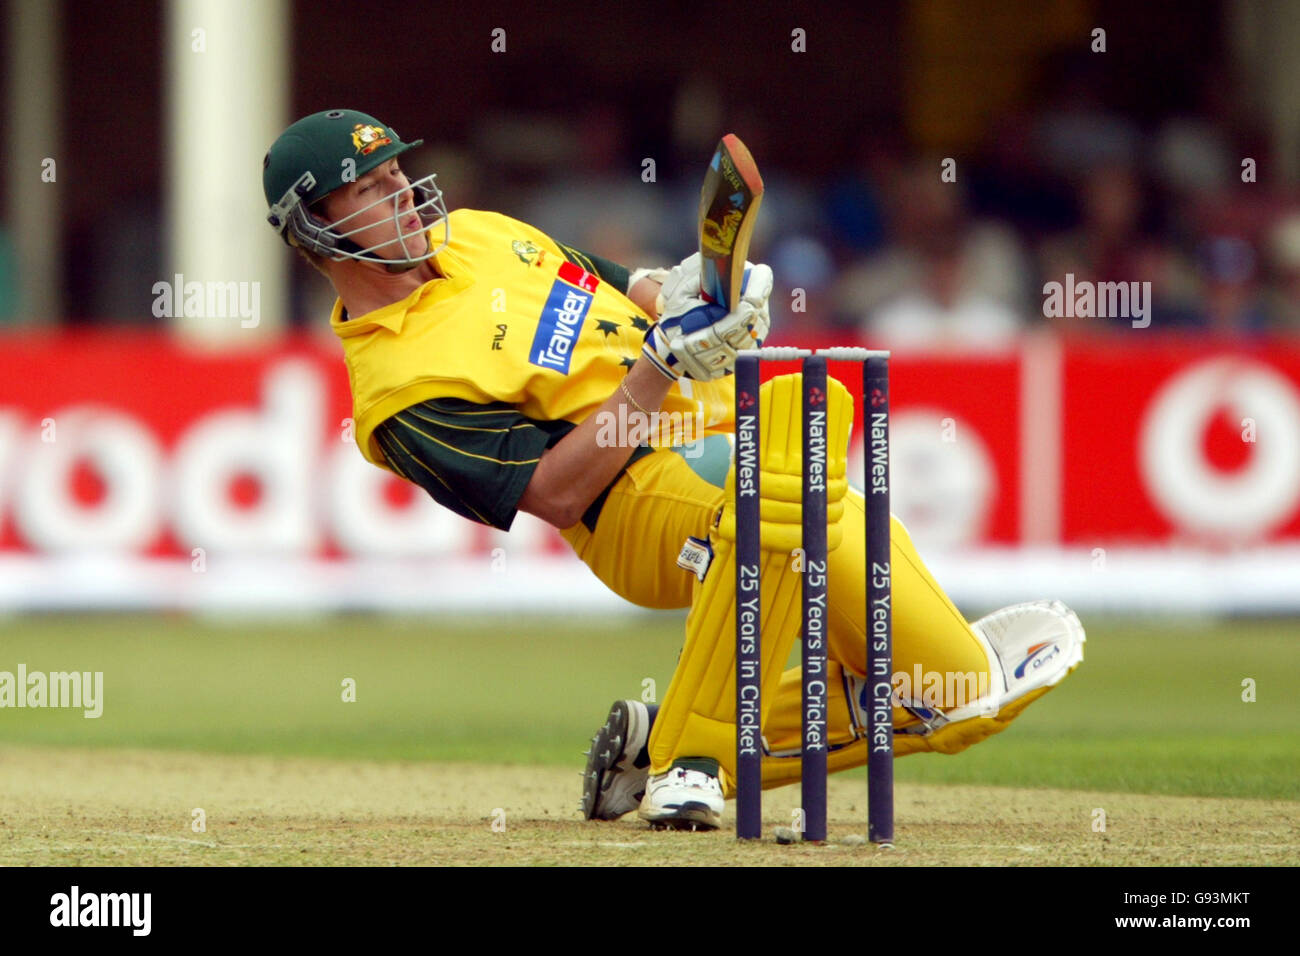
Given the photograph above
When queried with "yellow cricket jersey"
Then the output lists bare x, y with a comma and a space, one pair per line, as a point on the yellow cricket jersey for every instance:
511, 321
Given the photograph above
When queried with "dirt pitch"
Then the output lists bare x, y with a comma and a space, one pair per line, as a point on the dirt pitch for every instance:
115, 808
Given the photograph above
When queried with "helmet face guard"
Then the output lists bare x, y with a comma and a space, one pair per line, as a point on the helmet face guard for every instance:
297, 224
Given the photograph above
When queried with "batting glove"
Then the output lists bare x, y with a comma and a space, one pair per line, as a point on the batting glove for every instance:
698, 339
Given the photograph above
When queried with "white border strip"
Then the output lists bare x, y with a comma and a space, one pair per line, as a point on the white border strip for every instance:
1260, 581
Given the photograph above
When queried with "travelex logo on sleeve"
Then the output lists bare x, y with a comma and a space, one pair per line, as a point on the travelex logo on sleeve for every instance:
562, 316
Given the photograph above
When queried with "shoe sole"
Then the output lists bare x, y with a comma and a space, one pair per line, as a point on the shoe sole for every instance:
690, 816
607, 751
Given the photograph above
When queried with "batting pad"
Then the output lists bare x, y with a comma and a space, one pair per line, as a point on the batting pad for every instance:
697, 717
781, 465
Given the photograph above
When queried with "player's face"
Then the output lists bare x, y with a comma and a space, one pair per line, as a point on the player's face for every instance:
378, 213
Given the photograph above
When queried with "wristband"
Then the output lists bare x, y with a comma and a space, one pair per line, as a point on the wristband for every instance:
658, 275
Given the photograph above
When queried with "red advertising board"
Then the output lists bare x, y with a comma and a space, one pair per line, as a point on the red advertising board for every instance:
132, 443
1181, 443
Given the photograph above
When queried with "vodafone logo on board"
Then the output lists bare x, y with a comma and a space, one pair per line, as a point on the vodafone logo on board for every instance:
1260, 491
238, 479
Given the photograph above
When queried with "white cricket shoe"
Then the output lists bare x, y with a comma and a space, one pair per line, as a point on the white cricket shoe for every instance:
687, 797
1037, 644
1030, 647
617, 763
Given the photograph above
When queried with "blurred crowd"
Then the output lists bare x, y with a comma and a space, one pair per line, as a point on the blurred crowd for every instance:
929, 251
906, 247
1069, 193
910, 257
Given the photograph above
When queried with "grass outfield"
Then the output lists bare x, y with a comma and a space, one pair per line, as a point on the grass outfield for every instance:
1155, 708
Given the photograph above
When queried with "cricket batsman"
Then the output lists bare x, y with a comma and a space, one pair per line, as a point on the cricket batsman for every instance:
496, 367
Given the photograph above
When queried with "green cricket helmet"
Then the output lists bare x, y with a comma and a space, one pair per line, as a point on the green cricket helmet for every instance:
326, 150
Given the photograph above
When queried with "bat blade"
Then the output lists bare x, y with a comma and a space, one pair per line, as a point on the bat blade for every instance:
729, 203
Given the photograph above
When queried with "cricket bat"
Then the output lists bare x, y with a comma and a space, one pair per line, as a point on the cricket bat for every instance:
729, 203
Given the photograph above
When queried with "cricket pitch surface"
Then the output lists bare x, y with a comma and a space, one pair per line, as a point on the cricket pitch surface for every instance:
97, 807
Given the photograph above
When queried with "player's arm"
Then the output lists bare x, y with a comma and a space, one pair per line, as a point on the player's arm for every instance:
577, 469
480, 461
644, 291
580, 467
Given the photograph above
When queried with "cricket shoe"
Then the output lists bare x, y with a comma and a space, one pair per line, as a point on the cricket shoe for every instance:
618, 762
687, 797
1030, 647
1036, 644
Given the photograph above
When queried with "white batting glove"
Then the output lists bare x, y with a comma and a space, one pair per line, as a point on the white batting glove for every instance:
699, 339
